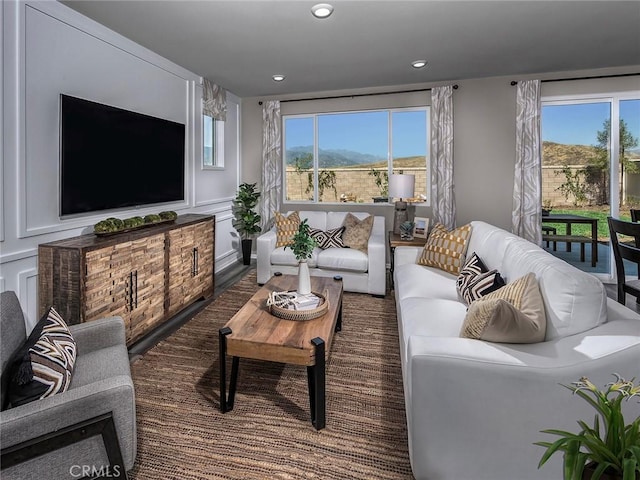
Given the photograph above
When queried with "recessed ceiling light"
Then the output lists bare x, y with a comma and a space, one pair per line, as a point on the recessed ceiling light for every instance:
278, 78
418, 63
322, 10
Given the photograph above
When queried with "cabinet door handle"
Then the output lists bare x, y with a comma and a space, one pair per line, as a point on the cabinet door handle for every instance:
135, 277
130, 292
194, 270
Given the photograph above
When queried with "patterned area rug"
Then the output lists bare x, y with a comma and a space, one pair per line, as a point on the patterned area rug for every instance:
268, 434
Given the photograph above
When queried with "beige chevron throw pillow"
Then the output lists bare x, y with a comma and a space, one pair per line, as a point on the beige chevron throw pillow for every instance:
513, 314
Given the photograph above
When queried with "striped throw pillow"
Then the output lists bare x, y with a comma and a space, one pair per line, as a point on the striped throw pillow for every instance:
286, 228
476, 280
446, 249
328, 239
45, 363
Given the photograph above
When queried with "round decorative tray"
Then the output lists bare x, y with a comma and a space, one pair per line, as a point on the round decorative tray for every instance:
289, 313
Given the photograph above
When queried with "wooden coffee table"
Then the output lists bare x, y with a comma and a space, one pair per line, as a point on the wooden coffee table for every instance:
254, 333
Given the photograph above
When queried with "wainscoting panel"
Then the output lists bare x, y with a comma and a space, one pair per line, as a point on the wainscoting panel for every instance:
28, 295
63, 58
227, 241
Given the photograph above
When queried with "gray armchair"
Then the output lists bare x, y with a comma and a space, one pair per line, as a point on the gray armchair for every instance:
88, 430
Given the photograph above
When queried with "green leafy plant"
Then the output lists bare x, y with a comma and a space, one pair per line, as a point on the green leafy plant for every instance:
246, 221
303, 243
301, 164
618, 453
382, 181
326, 181
574, 186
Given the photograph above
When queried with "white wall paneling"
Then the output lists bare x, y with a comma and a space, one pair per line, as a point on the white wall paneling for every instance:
28, 295
227, 242
2, 152
219, 183
65, 59
48, 49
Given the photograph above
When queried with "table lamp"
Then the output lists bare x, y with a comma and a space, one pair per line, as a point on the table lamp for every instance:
401, 186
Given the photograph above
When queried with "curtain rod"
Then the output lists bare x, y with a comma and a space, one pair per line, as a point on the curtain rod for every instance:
514, 82
455, 87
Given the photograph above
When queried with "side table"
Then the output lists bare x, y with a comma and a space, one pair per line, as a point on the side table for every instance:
394, 241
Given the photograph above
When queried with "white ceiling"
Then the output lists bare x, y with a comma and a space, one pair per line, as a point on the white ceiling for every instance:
240, 44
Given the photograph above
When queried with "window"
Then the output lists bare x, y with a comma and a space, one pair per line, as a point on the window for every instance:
348, 156
212, 143
590, 167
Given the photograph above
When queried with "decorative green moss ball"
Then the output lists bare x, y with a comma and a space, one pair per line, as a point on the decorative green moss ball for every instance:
133, 222
152, 218
168, 215
116, 222
103, 226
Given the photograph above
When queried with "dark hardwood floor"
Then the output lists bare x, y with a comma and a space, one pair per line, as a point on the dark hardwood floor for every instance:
228, 277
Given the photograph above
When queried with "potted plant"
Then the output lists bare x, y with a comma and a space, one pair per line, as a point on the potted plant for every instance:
246, 221
587, 455
302, 246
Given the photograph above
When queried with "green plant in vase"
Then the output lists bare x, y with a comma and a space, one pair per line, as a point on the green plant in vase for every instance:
245, 219
616, 454
302, 246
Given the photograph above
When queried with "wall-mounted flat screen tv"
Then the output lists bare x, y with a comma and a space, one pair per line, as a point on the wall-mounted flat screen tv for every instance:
112, 158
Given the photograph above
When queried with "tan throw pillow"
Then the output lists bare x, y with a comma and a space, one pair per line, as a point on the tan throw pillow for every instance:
512, 314
357, 232
286, 228
446, 249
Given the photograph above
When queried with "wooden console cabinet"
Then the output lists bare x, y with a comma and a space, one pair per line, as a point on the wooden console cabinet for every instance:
145, 276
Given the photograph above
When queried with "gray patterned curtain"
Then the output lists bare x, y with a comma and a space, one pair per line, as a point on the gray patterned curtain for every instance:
526, 218
214, 100
442, 188
271, 162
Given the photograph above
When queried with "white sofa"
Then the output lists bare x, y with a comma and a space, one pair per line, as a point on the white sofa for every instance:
361, 272
474, 408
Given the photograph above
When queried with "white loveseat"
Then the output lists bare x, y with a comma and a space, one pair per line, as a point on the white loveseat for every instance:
361, 272
475, 408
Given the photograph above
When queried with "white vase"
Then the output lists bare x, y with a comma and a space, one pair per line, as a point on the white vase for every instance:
304, 280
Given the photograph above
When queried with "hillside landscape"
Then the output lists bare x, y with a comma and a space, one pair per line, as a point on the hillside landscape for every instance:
348, 158
552, 154
562, 154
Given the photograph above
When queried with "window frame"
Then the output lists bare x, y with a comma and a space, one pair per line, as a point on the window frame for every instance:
389, 111
217, 144
613, 98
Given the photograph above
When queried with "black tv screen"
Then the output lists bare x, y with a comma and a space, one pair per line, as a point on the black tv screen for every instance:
112, 158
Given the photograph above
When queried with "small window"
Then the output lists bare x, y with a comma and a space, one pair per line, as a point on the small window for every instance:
212, 143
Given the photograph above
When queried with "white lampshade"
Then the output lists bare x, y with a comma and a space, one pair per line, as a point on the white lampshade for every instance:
402, 186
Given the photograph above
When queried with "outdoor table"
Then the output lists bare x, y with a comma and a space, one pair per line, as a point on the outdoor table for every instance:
569, 220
